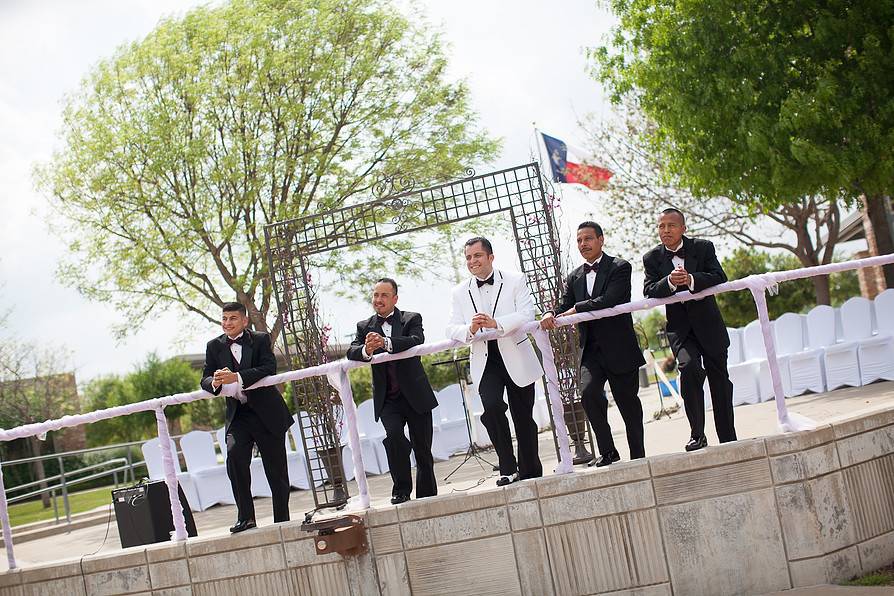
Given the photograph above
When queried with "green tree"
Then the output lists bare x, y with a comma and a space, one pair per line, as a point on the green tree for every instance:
177, 150
763, 101
109, 392
157, 378
808, 227
794, 296
34, 388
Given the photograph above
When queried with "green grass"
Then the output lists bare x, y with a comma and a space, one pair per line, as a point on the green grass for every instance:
32, 511
881, 577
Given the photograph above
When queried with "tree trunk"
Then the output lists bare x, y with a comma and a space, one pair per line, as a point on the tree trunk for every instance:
878, 216
822, 289
39, 473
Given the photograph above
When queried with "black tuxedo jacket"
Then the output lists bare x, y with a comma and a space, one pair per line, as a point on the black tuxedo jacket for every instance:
699, 318
258, 361
613, 336
406, 332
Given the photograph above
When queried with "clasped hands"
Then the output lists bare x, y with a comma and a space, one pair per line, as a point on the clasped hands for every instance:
481, 321
373, 342
224, 376
679, 277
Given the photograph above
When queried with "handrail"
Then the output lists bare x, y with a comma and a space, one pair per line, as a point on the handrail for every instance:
58, 476
337, 373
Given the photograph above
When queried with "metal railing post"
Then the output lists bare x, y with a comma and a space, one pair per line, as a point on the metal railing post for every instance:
55, 505
64, 491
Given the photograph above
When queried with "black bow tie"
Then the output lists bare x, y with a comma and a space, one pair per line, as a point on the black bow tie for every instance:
238, 340
588, 267
382, 320
674, 253
489, 280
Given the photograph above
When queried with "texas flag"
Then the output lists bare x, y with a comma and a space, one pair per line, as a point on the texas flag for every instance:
567, 166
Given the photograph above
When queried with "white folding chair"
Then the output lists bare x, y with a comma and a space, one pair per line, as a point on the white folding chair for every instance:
452, 435
372, 439
210, 477
296, 462
743, 374
839, 357
805, 364
155, 468
875, 350
260, 487
541, 407
476, 409
883, 305
319, 475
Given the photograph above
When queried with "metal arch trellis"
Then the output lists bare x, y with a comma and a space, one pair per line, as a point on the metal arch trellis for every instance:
399, 209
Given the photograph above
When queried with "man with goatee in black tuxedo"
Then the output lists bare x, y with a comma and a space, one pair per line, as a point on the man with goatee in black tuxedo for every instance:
695, 328
402, 395
609, 350
254, 417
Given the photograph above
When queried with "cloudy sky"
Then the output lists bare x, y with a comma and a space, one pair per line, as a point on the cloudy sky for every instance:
523, 61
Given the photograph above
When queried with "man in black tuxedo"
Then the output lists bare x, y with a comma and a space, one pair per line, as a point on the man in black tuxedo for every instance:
257, 416
609, 350
695, 328
402, 395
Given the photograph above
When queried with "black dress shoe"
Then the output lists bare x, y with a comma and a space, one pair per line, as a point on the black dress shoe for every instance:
696, 444
504, 480
398, 499
605, 460
243, 525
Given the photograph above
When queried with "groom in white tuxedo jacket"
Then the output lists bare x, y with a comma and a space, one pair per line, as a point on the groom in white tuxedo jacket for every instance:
493, 299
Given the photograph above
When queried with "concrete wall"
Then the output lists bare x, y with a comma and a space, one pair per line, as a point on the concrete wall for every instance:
756, 516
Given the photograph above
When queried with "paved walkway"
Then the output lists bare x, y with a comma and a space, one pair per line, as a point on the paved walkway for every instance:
667, 435
837, 591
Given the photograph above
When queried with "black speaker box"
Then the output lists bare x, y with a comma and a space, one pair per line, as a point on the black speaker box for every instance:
143, 513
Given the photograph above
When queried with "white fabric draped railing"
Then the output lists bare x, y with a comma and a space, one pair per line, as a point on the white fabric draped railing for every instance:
336, 372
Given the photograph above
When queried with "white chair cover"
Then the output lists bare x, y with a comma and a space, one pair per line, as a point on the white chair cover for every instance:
840, 359
372, 439
296, 462
875, 351
476, 409
452, 435
155, 470
805, 365
210, 477
260, 487
884, 312
743, 375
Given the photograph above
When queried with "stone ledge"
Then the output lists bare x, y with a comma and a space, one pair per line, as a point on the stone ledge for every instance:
862, 423
799, 441
257, 537
804, 465
705, 483
450, 504
712, 456
593, 478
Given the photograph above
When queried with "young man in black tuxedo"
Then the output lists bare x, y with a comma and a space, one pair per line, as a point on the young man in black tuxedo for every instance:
402, 395
695, 328
609, 350
257, 416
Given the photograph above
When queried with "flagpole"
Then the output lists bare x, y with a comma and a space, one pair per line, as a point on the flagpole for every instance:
537, 140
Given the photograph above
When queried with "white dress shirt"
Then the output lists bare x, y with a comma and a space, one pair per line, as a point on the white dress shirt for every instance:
591, 277
678, 264
487, 299
386, 333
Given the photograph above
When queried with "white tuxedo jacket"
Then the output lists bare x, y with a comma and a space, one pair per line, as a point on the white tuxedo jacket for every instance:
512, 307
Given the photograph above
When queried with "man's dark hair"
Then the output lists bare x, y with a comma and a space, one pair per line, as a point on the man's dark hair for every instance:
234, 307
388, 280
488, 247
674, 210
591, 224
